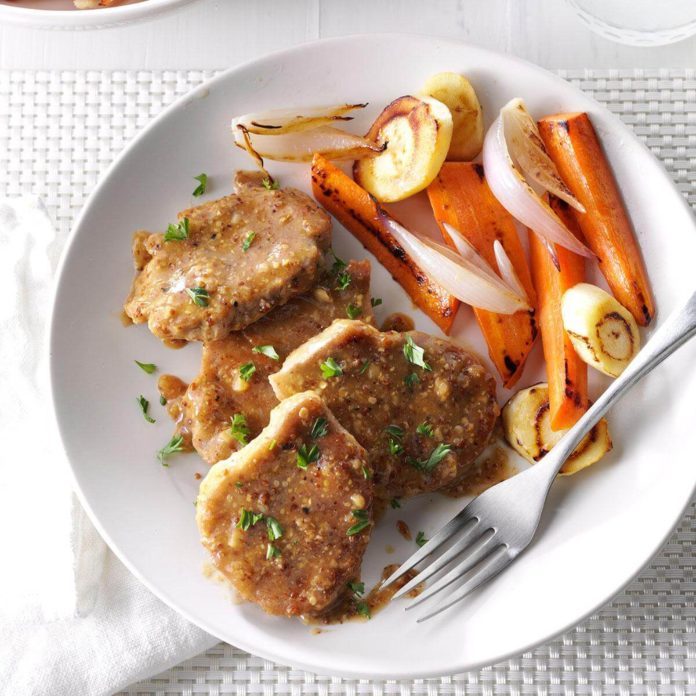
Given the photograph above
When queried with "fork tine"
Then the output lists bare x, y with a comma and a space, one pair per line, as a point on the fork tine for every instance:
476, 553
455, 550
458, 522
482, 574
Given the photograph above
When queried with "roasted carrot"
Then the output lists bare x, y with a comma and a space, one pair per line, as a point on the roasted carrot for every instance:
461, 197
573, 145
355, 209
566, 372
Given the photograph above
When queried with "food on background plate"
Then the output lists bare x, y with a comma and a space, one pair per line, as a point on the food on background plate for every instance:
460, 197
415, 133
457, 94
287, 519
229, 262
602, 331
354, 208
230, 400
94, 4
519, 171
566, 372
527, 426
573, 144
423, 407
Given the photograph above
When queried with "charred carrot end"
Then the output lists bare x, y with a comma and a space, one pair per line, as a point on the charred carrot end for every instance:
355, 209
460, 196
566, 372
573, 145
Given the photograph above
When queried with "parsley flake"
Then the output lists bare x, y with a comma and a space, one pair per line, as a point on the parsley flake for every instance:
176, 444
270, 184
202, 180
306, 456
363, 521
199, 296
246, 371
394, 431
352, 311
364, 367
146, 367
395, 436
320, 428
178, 232
248, 241
163, 401
411, 380
357, 588
239, 428
421, 539
435, 457
272, 552
275, 531
144, 405
248, 519
268, 351
367, 474
330, 368
338, 264
363, 609
415, 354
425, 429
395, 503
375, 301
343, 280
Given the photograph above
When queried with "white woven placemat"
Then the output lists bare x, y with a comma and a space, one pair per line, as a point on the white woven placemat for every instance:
58, 132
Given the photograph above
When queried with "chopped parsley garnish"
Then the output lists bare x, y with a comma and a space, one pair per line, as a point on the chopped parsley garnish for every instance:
394, 431
238, 484
435, 457
367, 474
425, 429
246, 371
144, 405
320, 428
357, 588
239, 428
268, 351
364, 367
338, 264
362, 522
305, 456
163, 401
202, 180
395, 436
343, 280
275, 531
176, 444
363, 609
146, 367
395, 447
353, 312
178, 232
272, 552
411, 380
420, 539
199, 296
395, 503
270, 184
330, 368
376, 301
248, 241
415, 354
248, 519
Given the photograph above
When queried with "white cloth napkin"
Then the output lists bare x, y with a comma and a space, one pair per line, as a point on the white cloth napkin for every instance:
73, 620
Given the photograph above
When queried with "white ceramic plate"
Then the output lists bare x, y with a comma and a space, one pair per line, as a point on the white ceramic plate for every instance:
61, 14
600, 527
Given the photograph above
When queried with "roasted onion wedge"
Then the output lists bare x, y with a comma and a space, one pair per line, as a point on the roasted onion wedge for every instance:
603, 332
527, 427
283, 121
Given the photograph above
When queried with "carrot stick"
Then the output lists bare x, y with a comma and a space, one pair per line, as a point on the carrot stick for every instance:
573, 145
355, 209
566, 372
461, 197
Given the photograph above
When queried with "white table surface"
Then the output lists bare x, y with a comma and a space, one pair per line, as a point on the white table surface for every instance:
220, 33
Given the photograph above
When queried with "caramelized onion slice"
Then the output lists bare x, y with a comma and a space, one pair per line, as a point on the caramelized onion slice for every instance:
282, 121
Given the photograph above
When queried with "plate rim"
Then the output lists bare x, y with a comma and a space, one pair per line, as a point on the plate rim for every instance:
161, 593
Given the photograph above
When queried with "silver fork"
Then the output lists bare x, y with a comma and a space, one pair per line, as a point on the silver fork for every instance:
493, 529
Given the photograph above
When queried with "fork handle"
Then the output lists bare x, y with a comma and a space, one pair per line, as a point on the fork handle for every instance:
678, 328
